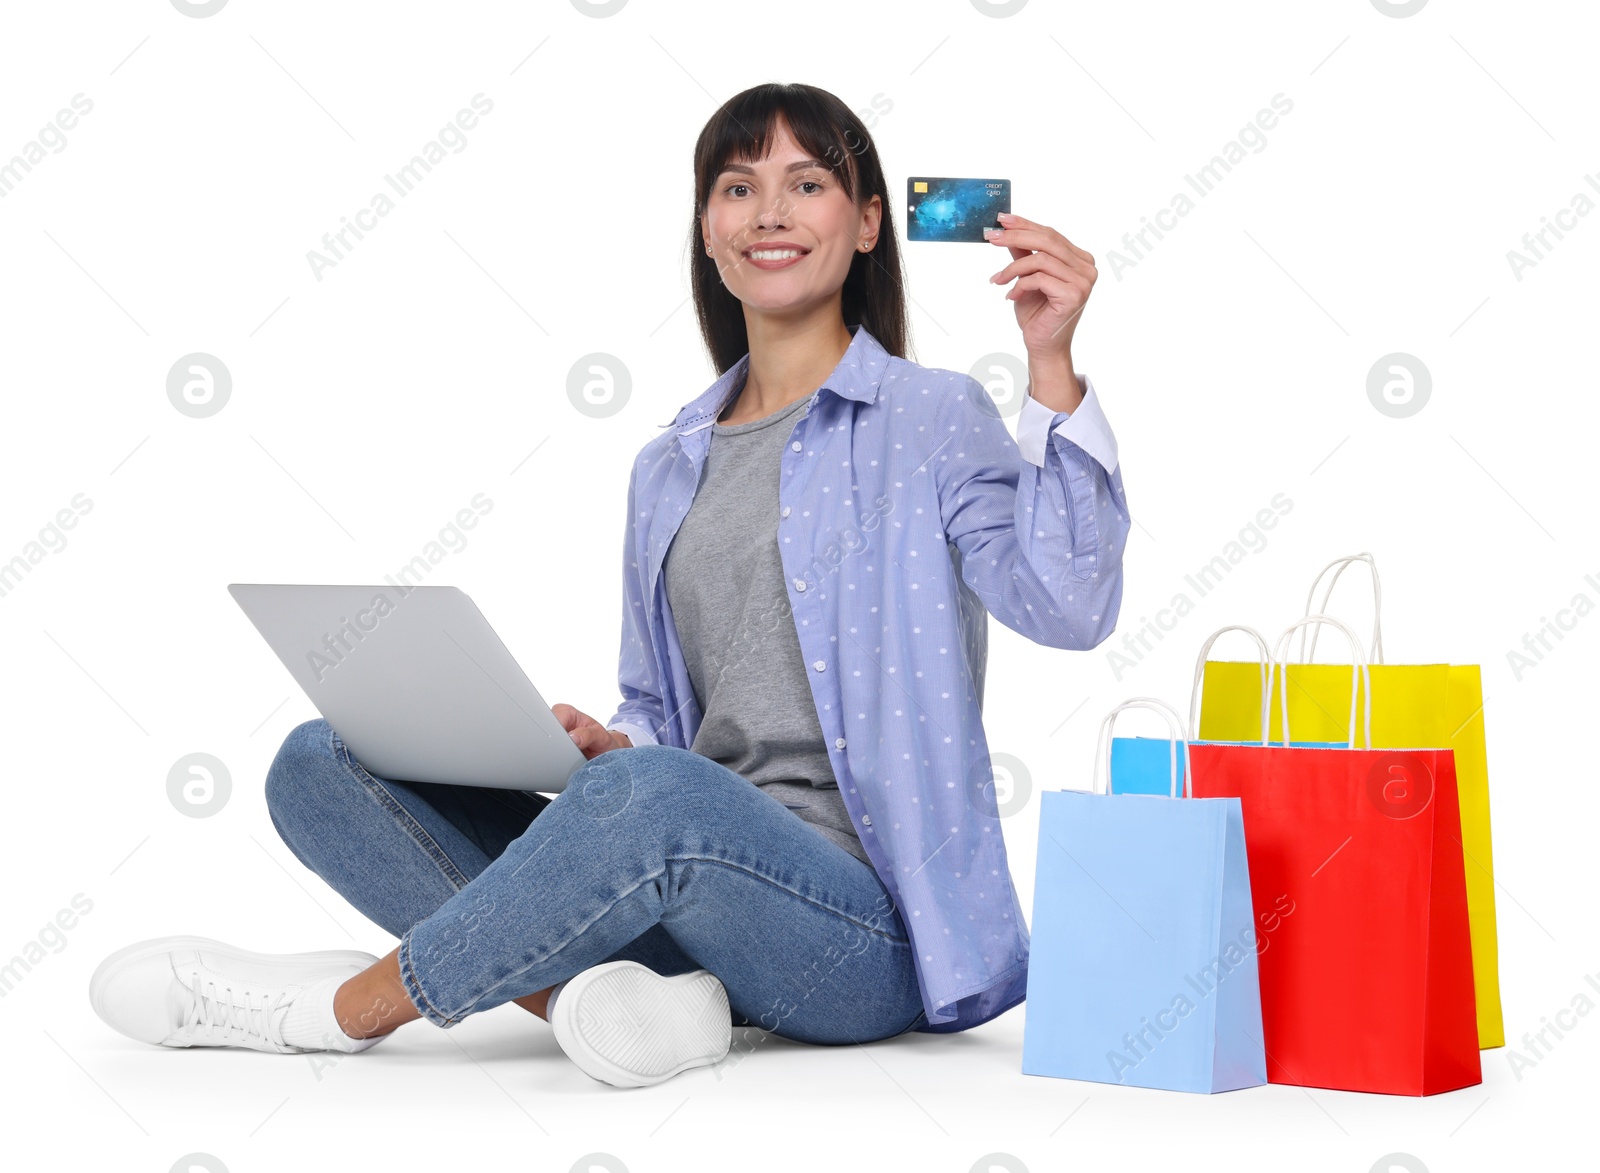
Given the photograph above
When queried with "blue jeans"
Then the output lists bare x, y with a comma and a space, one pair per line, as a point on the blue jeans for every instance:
652, 854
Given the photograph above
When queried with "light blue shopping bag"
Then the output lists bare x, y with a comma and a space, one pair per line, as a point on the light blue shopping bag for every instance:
1140, 765
1143, 961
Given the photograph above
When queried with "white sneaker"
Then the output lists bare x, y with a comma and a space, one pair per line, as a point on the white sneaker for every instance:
625, 1024
195, 992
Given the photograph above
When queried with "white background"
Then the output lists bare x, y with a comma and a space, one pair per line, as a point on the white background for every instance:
431, 364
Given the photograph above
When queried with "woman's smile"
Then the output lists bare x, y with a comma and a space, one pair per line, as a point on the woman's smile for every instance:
772, 257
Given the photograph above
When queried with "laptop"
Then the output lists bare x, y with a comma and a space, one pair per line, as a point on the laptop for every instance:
416, 683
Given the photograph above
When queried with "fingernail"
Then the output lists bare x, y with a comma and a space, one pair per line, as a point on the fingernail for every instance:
992, 233
576, 740
1005, 217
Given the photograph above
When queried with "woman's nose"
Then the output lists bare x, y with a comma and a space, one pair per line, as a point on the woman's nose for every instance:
774, 216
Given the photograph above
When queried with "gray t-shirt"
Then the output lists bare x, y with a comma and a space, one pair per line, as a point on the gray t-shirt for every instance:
730, 603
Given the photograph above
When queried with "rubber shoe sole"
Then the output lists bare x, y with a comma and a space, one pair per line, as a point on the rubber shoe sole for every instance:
624, 1024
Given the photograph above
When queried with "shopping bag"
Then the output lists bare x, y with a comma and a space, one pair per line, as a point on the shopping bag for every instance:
1417, 704
1139, 764
1366, 977
1142, 968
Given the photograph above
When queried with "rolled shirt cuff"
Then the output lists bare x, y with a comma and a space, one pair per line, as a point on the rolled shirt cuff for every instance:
1086, 426
637, 734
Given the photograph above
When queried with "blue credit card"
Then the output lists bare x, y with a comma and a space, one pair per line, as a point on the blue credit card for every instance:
939, 208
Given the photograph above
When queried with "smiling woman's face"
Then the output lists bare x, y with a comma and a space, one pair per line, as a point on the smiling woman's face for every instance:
782, 229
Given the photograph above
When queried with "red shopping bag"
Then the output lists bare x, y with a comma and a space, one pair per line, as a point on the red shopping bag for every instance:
1356, 868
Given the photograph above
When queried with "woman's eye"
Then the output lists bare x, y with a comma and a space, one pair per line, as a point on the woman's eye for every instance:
734, 189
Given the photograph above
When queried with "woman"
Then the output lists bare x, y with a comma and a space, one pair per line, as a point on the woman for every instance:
789, 822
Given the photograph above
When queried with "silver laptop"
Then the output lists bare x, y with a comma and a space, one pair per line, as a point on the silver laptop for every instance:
416, 683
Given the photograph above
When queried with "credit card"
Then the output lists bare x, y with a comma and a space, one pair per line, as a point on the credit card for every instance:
940, 208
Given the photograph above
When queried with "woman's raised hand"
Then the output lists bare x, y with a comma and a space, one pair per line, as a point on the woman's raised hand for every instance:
1053, 278
588, 734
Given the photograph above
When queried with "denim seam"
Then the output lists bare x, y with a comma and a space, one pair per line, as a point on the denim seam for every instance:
793, 892
413, 985
643, 881
380, 794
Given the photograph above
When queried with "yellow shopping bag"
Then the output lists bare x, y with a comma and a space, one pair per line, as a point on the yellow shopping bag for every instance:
1433, 705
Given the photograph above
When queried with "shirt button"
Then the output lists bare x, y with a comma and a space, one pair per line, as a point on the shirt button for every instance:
799, 584
866, 820
838, 743
795, 445
786, 511
819, 665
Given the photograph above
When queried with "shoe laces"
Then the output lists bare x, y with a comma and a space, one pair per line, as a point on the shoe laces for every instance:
223, 1013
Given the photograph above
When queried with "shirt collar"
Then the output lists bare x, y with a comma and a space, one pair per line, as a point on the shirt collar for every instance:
857, 376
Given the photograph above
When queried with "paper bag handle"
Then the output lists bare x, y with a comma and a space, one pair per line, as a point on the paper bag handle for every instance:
1375, 653
1102, 754
1200, 673
1360, 678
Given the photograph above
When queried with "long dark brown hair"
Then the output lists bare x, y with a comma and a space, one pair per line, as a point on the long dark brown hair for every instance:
874, 289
